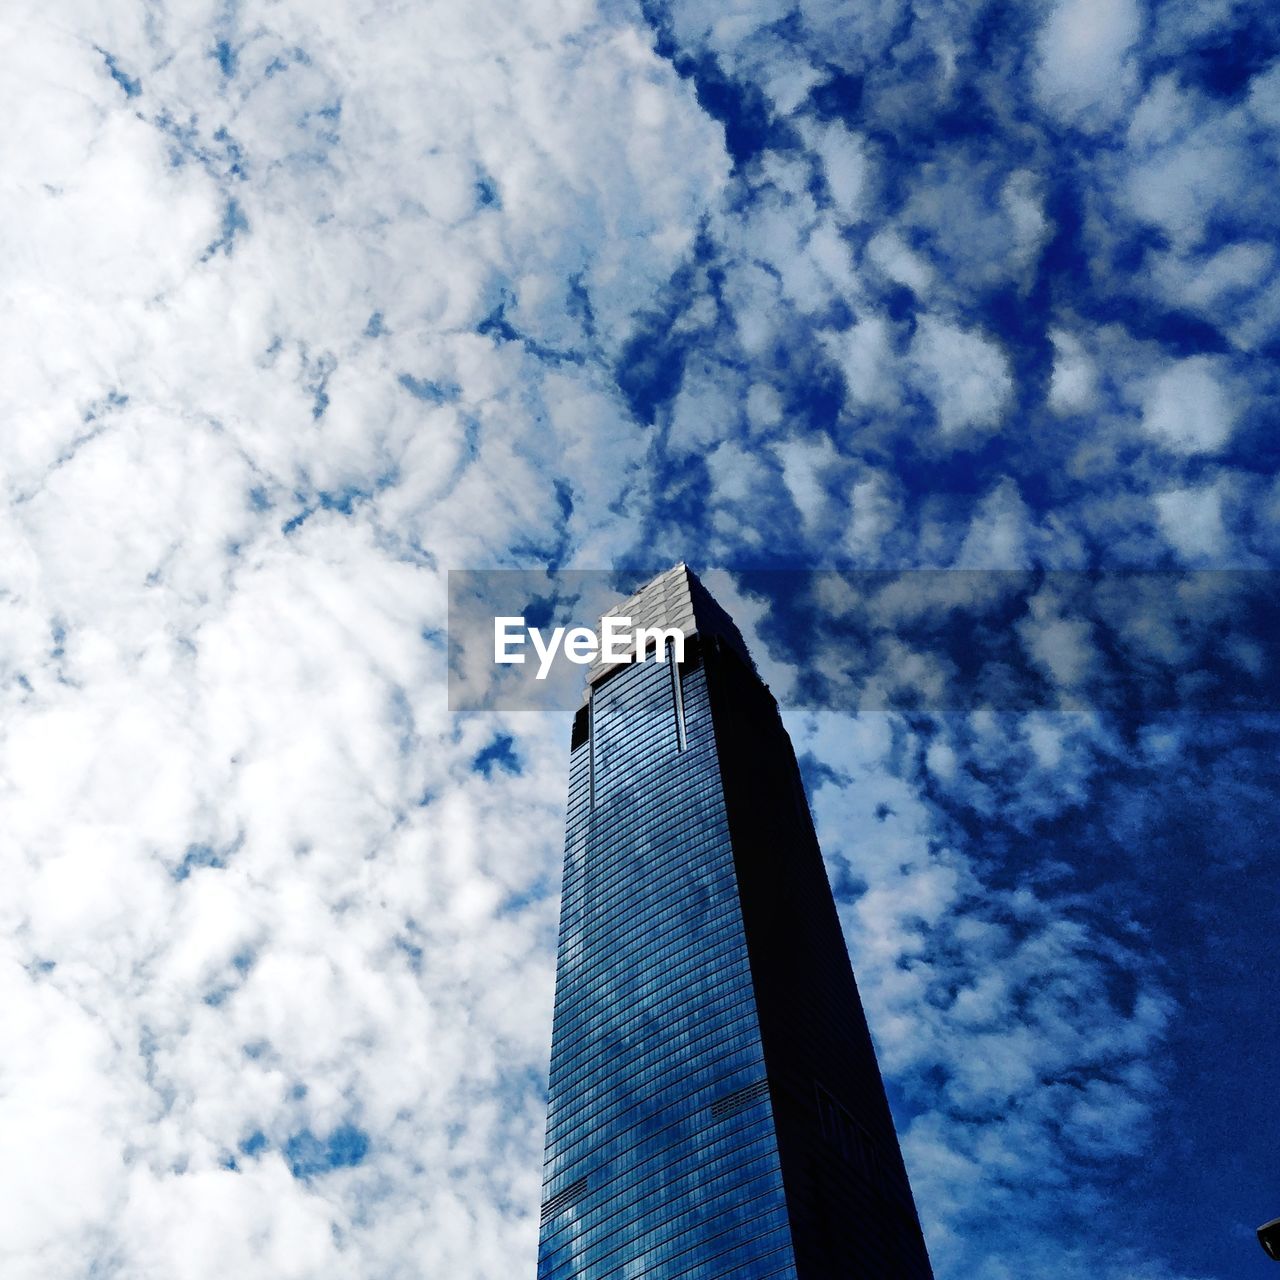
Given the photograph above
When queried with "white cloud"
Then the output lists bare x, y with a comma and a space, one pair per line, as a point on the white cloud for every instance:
1073, 386
998, 533
888, 251
964, 374
1084, 74
64, 1093
1191, 520
738, 476
864, 32
1187, 408
969, 225
941, 761
724, 26
703, 408
806, 471
864, 352
1058, 642
1021, 200
252, 884
1264, 97
1234, 287
845, 166
872, 517
764, 406
785, 229
1184, 165
1233, 268
942, 971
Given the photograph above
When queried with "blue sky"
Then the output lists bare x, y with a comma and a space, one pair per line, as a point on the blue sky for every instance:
306, 308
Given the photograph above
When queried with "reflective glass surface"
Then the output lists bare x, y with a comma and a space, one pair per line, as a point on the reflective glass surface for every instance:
661, 1157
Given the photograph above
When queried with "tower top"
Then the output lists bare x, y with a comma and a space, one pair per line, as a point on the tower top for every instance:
674, 600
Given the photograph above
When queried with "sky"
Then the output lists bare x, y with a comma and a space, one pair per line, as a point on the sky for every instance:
939, 337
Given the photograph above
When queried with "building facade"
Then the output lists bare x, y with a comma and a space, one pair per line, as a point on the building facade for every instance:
715, 1106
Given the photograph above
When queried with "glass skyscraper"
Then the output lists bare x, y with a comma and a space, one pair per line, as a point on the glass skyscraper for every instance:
715, 1107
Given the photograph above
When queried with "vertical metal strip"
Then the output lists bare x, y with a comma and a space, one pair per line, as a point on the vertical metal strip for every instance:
591, 747
677, 695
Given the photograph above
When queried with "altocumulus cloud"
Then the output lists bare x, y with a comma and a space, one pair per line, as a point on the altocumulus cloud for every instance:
305, 308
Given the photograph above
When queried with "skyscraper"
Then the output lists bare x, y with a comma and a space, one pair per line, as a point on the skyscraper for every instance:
715, 1107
